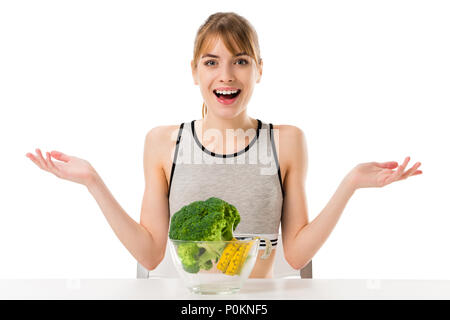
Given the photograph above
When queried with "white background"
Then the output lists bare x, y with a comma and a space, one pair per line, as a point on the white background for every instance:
365, 80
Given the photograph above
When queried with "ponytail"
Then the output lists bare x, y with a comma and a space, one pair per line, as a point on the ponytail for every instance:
204, 110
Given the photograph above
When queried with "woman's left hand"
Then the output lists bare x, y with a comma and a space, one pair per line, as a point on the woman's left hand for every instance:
376, 174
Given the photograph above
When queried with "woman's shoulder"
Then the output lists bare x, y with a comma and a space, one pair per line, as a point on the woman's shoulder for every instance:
290, 143
164, 132
164, 139
288, 129
287, 135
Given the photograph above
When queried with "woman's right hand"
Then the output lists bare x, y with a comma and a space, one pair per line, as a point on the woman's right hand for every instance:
68, 167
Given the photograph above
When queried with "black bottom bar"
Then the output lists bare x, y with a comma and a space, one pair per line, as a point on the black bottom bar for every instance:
223, 309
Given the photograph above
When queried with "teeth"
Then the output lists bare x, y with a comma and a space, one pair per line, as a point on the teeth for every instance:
227, 92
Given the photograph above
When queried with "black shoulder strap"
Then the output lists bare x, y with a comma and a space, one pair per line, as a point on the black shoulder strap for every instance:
274, 151
175, 157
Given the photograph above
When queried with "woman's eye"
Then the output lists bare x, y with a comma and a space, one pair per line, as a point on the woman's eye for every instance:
246, 62
207, 63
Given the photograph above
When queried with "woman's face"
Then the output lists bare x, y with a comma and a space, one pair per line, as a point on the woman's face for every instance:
218, 69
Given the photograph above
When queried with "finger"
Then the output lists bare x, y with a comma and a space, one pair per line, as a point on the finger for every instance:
390, 164
33, 158
401, 169
397, 175
411, 170
417, 172
41, 159
51, 165
60, 156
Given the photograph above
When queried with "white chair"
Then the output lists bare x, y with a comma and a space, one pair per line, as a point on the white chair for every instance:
165, 269
281, 268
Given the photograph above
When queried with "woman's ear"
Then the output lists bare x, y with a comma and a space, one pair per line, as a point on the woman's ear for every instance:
259, 71
194, 72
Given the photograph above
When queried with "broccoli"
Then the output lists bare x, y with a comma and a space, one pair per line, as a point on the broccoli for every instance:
210, 220
188, 253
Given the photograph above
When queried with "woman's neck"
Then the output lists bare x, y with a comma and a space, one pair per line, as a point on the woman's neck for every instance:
243, 122
234, 134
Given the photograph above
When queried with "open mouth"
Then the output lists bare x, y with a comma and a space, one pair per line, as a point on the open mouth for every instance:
227, 96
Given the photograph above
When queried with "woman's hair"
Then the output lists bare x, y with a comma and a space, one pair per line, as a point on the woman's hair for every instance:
233, 29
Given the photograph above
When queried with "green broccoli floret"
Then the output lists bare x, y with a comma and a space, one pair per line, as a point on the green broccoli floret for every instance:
188, 253
209, 220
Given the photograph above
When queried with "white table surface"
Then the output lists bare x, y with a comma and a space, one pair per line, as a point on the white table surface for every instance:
253, 289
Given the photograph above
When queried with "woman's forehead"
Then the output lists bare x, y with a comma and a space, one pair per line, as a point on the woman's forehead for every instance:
212, 41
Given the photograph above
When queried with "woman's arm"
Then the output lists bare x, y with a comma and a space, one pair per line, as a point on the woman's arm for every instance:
146, 240
304, 242
133, 235
302, 239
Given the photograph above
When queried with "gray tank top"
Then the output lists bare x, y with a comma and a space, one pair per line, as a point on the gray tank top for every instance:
249, 179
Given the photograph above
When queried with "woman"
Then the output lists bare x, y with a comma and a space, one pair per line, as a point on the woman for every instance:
213, 157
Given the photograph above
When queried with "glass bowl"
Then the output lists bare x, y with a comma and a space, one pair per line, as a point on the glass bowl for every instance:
214, 267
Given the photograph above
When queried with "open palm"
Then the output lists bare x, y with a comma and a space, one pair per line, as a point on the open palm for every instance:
375, 174
68, 167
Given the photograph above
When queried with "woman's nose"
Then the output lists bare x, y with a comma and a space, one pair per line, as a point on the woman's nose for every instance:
226, 74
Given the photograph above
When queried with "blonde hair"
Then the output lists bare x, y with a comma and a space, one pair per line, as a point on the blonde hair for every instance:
233, 29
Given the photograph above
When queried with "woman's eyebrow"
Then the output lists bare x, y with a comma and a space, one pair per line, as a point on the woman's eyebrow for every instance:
214, 56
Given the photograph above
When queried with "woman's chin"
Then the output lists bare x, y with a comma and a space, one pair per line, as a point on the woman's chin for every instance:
224, 113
